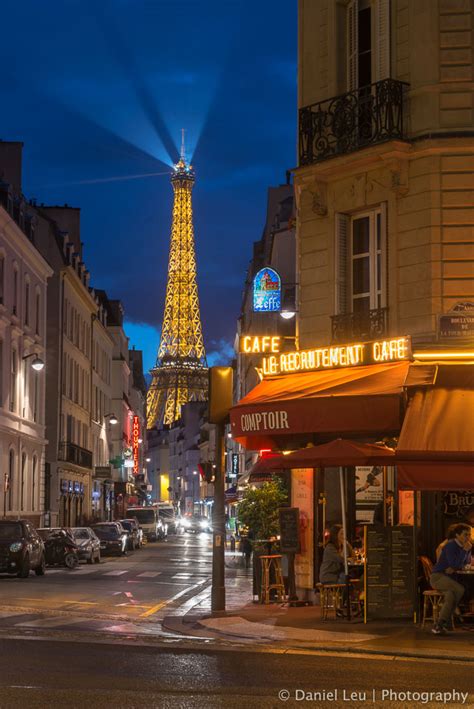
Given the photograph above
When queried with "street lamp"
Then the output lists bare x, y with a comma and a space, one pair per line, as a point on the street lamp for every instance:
113, 418
147, 460
37, 364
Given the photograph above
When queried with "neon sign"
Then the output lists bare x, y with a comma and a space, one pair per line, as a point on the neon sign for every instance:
259, 344
379, 351
135, 445
267, 291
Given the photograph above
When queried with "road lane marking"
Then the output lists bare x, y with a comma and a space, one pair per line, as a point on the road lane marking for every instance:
81, 603
161, 605
117, 572
148, 574
181, 576
50, 622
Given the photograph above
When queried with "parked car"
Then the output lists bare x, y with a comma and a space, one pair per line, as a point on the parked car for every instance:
88, 544
21, 549
196, 524
113, 539
135, 533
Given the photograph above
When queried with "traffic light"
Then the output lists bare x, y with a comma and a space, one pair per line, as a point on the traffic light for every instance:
220, 393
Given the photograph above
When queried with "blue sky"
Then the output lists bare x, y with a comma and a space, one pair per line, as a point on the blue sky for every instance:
99, 91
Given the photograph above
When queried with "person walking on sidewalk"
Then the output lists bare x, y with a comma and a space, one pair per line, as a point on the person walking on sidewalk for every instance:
455, 555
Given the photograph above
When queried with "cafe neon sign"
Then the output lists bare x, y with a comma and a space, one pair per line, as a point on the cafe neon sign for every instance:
337, 356
135, 445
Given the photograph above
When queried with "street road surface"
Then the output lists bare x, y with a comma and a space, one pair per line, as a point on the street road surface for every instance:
41, 673
144, 586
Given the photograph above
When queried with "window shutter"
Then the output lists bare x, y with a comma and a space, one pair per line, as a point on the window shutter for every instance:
382, 40
352, 45
384, 254
340, 261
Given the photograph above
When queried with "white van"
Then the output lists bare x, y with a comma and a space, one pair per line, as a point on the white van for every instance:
167, 514
149, 521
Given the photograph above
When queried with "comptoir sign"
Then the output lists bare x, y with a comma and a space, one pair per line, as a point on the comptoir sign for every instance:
378, 351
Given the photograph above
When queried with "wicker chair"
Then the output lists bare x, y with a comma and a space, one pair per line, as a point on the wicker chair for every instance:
432, 599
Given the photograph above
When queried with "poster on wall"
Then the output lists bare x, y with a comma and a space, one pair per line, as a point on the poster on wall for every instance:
369, 491
302, 497
266, 291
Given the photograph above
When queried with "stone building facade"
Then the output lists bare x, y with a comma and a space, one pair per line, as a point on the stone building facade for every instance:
384, 186
23, 284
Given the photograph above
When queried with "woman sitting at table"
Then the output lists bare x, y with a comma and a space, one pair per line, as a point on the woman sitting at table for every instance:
332, 568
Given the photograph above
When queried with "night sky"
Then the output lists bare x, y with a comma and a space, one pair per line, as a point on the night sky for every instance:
98, 91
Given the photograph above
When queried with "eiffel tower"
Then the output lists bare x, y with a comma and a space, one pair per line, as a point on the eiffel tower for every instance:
180, 373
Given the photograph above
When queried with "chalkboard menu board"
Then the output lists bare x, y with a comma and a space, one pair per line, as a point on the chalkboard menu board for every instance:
289, 530
389, 572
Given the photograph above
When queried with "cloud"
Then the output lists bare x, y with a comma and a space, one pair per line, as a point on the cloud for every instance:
221, 353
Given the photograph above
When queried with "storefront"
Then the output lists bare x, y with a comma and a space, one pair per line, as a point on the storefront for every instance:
368, 392
72, 501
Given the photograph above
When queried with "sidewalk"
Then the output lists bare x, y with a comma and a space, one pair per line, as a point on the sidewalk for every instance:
301, 627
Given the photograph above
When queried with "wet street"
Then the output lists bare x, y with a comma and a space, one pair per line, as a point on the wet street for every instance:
57, 674
138, 588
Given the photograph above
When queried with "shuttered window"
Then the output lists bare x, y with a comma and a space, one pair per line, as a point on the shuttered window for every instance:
367, 42
360, 262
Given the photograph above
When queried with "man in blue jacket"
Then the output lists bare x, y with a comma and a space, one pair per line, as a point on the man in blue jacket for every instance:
456, 554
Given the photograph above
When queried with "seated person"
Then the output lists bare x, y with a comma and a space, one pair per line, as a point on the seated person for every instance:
449, 535
332, 568
455, 555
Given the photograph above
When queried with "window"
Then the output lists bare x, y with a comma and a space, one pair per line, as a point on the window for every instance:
27, 303
37, 313
15, 291
361, 262
2, 278
34, 465
1, 372
13, 380
22, 481
368, 42
11, 479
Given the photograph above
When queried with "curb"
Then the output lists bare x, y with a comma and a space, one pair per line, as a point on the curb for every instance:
186, 628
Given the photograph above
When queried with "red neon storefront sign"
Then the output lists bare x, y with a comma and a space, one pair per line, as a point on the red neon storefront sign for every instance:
135, 444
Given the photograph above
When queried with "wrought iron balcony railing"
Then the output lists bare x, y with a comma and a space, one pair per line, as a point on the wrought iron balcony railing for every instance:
71, 453
369, 115
363, 326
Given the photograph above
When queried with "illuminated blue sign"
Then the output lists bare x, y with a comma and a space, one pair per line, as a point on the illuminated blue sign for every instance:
267, 291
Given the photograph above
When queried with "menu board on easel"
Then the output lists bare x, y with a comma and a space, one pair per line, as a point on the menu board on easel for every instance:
389, 572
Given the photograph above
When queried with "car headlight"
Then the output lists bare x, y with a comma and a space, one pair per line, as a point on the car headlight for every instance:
16, 546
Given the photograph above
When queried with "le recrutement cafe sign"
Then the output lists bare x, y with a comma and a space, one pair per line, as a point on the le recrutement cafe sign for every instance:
275, 362
299, 414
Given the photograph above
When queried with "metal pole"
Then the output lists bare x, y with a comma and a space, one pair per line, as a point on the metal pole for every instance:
218, 529
344, 527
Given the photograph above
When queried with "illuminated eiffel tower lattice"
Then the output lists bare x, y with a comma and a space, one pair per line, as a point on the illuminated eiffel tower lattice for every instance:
180, 373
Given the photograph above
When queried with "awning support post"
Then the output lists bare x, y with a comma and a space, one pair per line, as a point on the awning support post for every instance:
344, 527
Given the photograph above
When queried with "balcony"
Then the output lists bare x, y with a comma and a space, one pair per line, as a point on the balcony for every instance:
70, 453
359, 326
367, 116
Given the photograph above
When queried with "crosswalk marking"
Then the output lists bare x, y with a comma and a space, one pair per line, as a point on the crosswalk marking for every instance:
181, 576
117, 572
148, 574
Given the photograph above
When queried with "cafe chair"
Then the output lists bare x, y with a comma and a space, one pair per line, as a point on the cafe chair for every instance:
272, 578
432, 600
331, 596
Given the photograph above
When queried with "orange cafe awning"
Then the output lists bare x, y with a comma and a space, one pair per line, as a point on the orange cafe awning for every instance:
356, 400
437, 441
